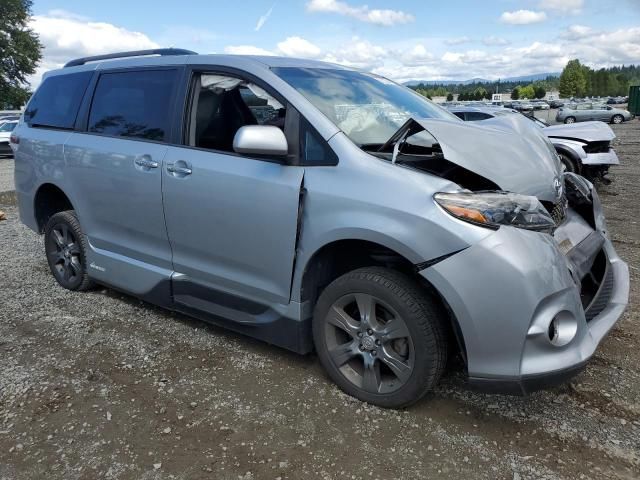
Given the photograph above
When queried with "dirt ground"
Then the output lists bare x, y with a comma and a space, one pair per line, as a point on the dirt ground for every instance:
100, 385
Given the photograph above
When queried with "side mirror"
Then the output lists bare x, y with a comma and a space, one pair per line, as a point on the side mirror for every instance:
260, 140
609, 108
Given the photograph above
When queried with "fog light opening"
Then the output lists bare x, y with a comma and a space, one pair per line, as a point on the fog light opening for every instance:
562, 329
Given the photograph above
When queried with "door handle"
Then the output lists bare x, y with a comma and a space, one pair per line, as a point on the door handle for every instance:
146, 162
172, 168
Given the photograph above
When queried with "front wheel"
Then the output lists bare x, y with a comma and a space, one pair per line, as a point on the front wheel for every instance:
617, 119
570, 120
568, 164
380, 337
66, 249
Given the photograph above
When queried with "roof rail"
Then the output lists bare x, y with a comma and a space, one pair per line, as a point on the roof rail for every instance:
137, 53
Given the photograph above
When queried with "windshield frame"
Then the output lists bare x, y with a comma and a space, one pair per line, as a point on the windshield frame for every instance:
384, 117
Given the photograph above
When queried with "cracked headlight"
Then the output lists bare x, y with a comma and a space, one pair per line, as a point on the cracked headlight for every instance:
493, 209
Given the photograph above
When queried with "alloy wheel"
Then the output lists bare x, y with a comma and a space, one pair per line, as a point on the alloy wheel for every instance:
369, 343
64, 254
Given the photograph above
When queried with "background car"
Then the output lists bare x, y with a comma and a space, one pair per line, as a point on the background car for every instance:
5, 132
585, 112
522, 106
584, 149
556, 104
540, 105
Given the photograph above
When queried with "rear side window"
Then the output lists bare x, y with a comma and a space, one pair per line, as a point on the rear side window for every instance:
133, 104
56, 102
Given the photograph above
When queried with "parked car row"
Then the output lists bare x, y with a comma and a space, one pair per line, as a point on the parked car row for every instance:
352, 217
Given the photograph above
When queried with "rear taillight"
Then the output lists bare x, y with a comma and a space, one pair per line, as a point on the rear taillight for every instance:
15, 139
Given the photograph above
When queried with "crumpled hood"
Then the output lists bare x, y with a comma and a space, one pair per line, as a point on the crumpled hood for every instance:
584, 131
508, 150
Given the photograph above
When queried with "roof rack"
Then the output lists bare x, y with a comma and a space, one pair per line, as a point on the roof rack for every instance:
137, 53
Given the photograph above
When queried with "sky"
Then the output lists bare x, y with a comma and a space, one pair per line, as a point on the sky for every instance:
401, 39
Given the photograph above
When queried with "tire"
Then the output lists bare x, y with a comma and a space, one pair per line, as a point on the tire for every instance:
570, 120
396, 358
617, 119
569, 164
66, 247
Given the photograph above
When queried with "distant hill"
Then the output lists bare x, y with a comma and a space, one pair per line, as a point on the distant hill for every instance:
523, 78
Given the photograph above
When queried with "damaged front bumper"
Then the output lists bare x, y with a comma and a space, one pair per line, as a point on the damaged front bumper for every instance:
532, 308
603, 158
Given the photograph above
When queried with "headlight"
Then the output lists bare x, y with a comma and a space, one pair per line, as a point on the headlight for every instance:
493, 209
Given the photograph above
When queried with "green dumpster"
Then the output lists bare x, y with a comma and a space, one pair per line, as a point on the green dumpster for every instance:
634, 99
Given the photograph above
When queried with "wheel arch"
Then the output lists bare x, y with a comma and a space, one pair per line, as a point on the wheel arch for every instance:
571, 153
337, 257
48, 200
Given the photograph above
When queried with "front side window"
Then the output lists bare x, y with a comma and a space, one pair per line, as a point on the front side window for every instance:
222, 104
368, 108
56, 103
133, 104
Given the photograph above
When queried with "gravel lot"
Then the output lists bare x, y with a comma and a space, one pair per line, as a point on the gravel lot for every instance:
6, 174
100, 385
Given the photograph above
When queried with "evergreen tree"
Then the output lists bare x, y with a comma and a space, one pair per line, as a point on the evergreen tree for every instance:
20, 52
572, 80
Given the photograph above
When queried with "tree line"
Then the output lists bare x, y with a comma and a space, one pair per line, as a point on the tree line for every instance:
484, 89
578, 80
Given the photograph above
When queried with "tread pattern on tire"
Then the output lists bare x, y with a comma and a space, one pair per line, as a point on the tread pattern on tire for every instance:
71, 218
423, 307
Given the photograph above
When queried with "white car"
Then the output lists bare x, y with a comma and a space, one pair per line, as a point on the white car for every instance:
5, 132
584, 149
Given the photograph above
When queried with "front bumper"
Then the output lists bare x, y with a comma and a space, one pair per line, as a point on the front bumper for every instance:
505, 290
5, 148
604, 158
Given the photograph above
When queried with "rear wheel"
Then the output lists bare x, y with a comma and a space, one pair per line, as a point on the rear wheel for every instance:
66, 251
380, 337
570, 120
617, 119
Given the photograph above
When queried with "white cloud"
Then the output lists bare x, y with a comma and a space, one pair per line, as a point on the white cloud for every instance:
246, 50
418, 55
385, 18
594, 48
66, 36
263, 19
523, 17
359, 54
565, 6
457, 41
576, 32
492, 41
298, 47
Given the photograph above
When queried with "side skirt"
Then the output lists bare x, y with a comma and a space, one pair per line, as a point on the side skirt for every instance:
228, 311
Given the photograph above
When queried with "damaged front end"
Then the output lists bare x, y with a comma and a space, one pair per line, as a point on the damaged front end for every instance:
533, 302
589, 145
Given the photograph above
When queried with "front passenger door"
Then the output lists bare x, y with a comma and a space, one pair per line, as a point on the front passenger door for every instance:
232, 219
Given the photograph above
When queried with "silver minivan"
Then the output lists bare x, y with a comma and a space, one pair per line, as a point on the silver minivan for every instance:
317, 207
